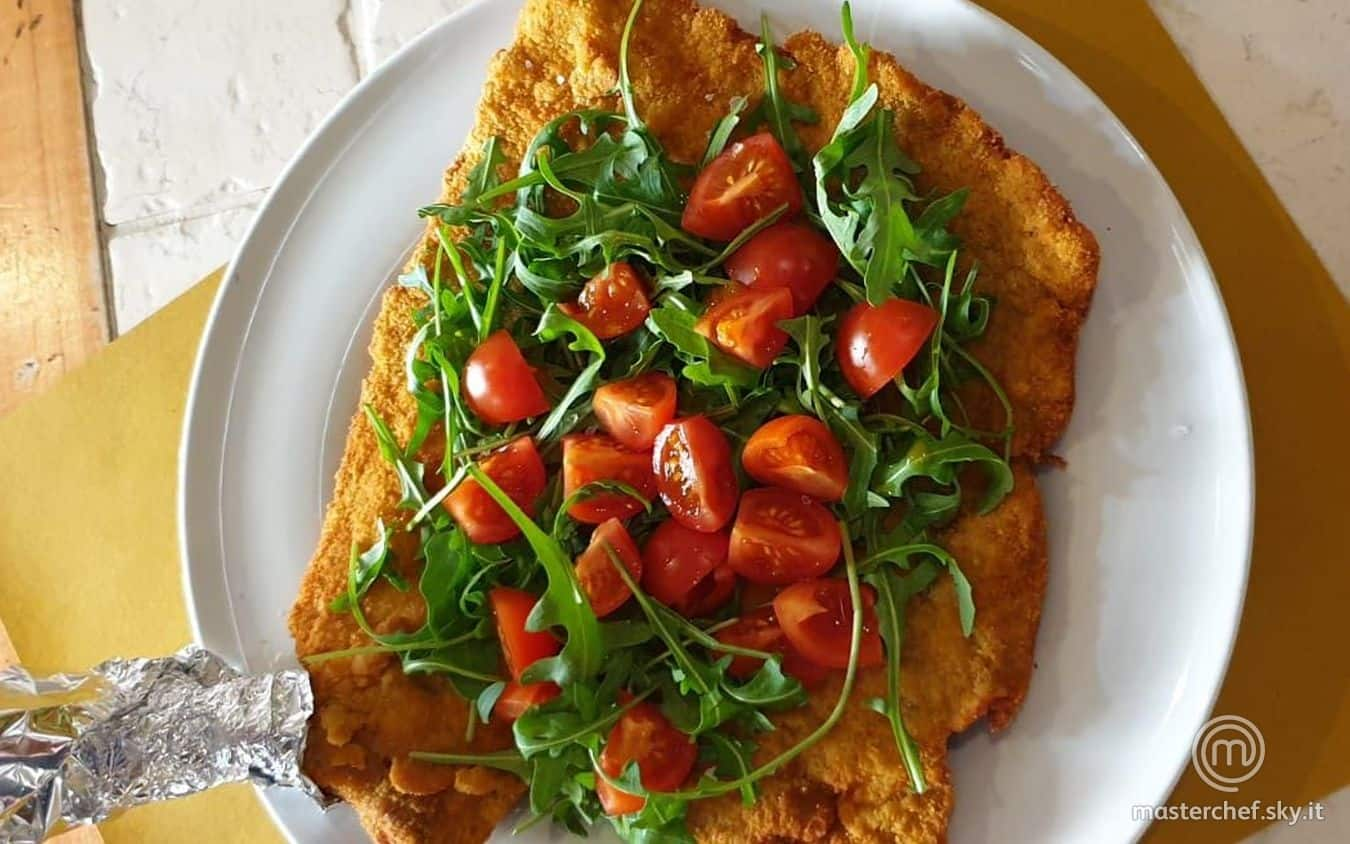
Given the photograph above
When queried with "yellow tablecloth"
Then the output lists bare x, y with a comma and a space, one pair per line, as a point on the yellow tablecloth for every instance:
89, 561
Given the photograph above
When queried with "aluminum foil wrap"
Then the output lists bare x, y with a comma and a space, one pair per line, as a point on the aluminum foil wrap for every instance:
75, 748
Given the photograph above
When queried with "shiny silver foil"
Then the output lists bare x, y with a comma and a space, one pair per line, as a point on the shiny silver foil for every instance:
75, 748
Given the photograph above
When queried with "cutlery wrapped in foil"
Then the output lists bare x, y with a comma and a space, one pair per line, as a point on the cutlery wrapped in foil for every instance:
76, 748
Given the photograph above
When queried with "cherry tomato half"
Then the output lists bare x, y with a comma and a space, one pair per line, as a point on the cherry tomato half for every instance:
692, 463
595, 570
499, 385
519, 471
875, 343
595, 457
518, 697
748, 180
676, 559
781, 536
745, 324
521, 647
709, 594
799, 453
634, 411
817, 618
759, 630
791, 255
664, 756
611, 304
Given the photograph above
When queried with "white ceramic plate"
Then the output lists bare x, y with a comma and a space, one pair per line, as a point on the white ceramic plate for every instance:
1149, 524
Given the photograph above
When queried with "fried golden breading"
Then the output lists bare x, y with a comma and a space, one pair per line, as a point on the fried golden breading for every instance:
687, 63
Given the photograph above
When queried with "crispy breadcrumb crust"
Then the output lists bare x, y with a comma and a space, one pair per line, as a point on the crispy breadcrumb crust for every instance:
1036, 259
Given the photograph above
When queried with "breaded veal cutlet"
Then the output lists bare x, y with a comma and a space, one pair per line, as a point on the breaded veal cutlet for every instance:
1036, 259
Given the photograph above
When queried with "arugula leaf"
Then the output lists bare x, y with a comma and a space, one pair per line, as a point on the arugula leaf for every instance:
409, 471
563, 603
864, 446
365, 568
553, 325
769, 688
939, 460
893, 594
626, 82
485, 175
503, 760
721, 133
731, 757
776, 109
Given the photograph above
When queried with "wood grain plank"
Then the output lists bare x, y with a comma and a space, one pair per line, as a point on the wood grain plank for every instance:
52, 309
80, 834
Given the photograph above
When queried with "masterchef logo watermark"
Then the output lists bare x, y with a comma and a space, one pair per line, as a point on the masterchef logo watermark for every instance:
1227, 751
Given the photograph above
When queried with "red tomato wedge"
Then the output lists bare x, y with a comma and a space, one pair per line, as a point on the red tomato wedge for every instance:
611, 304
817, 618
664, 756
686, 569
875, 343
518, 697
745, 324
709, 594
798, 453
603, 586
692, 463
519, 471
521, 647
595, 457
791, 255
759, 630
746, 182
635, 410
781, 536
499, 385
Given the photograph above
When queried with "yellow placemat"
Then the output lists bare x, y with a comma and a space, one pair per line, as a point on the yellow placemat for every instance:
88, 552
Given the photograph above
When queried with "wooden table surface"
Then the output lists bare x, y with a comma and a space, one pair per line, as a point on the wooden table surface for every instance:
53, 311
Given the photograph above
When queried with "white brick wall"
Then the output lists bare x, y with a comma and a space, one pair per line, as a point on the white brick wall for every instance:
196, 108
197, 105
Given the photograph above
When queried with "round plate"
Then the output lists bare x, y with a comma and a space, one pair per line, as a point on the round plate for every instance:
1150, 523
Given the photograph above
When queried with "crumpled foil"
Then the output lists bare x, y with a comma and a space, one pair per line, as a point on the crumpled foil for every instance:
75, 748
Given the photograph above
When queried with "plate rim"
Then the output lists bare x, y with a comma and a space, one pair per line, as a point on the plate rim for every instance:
192, 425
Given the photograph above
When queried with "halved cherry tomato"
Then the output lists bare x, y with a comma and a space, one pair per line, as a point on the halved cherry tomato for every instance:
709, 594
875, 343
743, 184
634, 411
518, 697
521, 647
611, 304
799, 453
792, 255
745, 324
519, 471
759, 630
677, 559
692, 463
781, 536
817, 618
595, 571
499, 385
664, 756
595, 457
